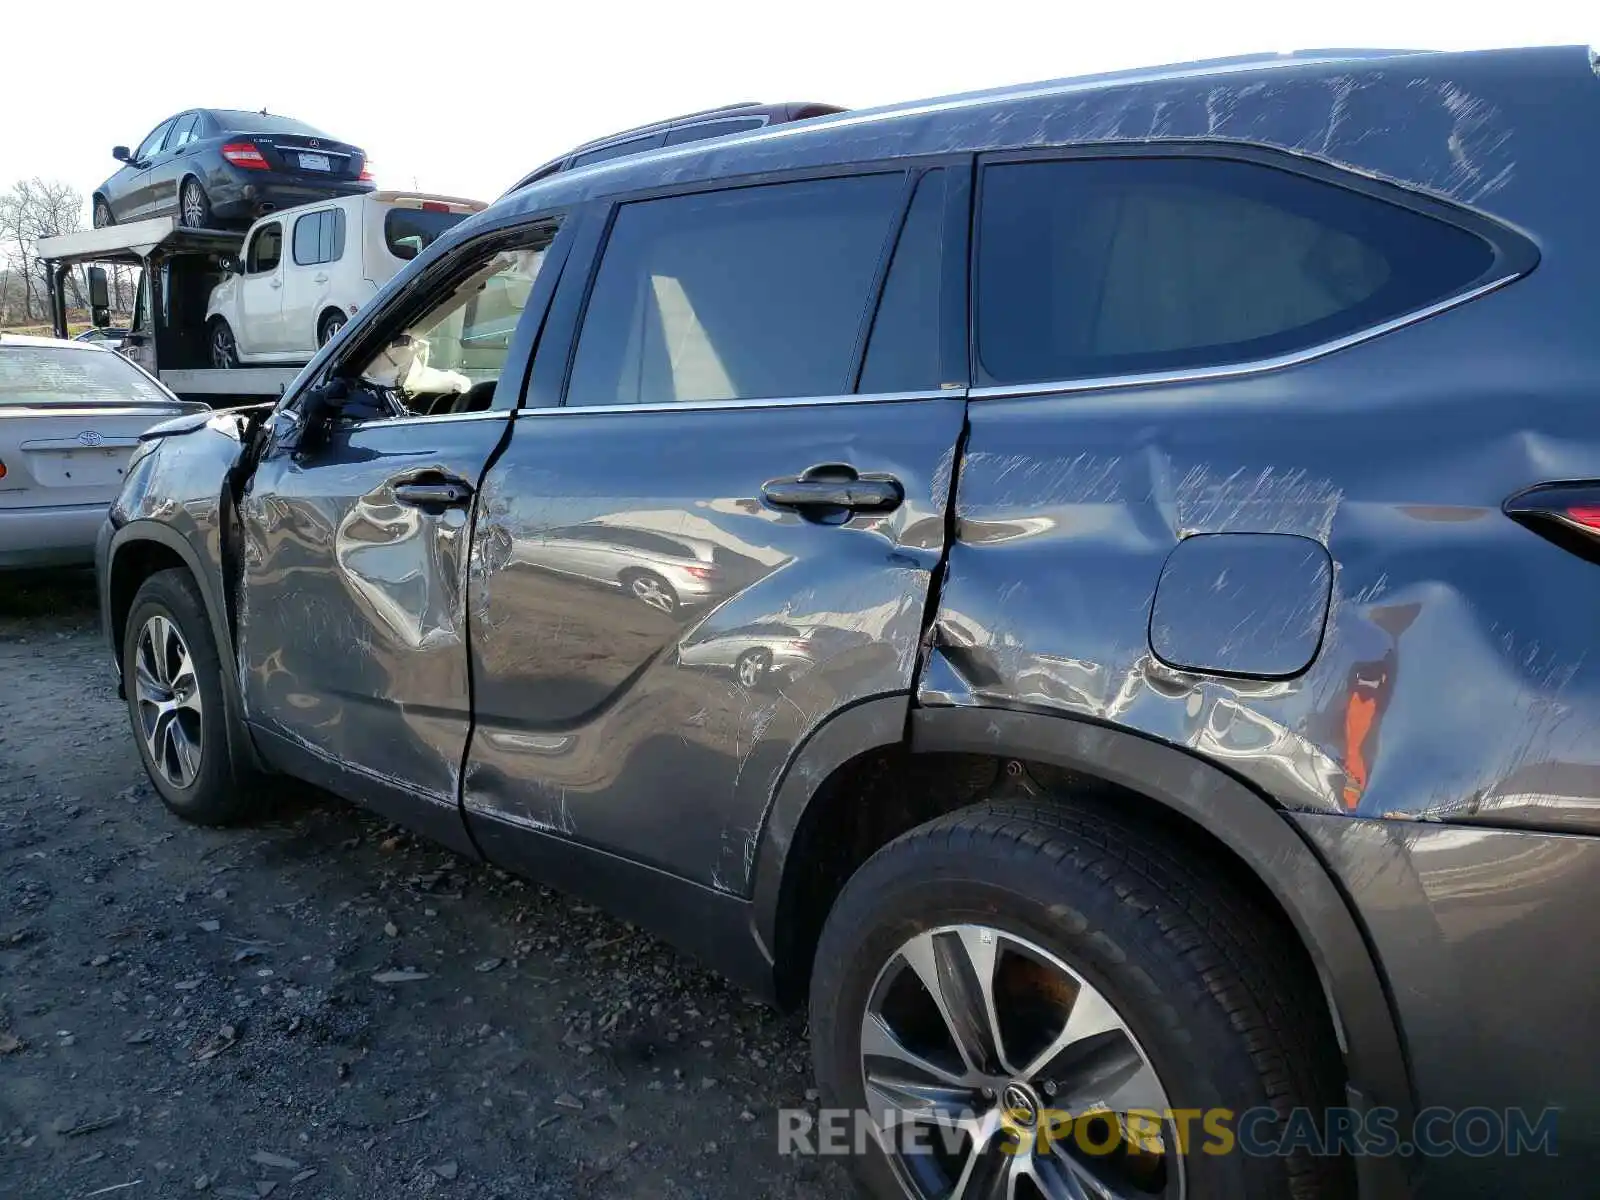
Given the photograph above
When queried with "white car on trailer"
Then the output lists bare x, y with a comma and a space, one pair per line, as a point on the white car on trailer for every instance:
305, 271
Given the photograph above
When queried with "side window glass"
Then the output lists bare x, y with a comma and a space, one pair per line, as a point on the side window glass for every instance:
330, 241
184, 131
266, 248
903, 351
152, 144
319, 237
1119, 266
450, 358
307, 230
740, 294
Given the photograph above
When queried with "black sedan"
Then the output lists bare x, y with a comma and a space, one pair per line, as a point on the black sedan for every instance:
216, 166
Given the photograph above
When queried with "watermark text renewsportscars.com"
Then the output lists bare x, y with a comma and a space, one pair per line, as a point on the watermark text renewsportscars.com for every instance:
1262, 1132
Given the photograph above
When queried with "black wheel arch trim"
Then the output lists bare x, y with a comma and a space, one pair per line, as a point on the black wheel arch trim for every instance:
1237, 816
135, 532
1257, 833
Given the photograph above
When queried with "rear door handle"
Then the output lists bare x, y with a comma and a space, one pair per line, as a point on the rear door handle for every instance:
443, 493
835, 486
320, 277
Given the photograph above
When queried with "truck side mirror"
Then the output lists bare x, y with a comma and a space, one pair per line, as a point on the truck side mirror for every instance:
121, 154
99, 294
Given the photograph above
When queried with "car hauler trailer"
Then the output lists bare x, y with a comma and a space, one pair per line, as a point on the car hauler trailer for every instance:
178, 269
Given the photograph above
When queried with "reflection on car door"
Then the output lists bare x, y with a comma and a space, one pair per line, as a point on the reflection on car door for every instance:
261, 293
689, 490
352, 613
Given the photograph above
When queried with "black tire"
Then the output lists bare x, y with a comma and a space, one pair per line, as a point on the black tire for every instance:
224, 349
103, 216
1210, 989
220, 790
650, 589
752, 666
330, 324
194, 206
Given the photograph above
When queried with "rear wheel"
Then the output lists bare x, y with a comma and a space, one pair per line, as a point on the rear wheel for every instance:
173, 680
102, 213
224, 350
1018, 998
752, 667
194, 207
649, 588
331, 323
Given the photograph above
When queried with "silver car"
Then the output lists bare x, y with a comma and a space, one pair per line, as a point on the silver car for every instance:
70, 415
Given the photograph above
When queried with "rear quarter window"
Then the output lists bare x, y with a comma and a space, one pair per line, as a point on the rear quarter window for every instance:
409, 231
1092, 268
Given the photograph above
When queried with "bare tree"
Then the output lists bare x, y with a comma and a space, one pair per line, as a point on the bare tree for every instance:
33, 209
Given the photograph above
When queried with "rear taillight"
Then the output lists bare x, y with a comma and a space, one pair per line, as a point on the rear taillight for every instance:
434, 206
366, 172
701, 572
2, 470
245, 154
1586, 515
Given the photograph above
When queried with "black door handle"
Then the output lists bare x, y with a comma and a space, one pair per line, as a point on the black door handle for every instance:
443, 493
837, 487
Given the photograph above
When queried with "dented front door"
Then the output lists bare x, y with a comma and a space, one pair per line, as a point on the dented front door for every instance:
351, 611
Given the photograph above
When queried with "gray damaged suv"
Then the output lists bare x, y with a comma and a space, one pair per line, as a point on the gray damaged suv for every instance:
1097, 582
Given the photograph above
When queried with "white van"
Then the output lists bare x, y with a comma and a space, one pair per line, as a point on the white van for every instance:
304, 271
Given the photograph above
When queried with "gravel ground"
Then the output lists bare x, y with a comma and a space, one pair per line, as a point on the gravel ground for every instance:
326, 1006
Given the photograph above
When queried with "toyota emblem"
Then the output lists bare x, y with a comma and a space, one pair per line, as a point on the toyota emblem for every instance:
90, 438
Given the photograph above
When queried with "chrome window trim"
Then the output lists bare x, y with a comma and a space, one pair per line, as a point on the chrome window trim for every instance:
766, 402
1249, 366
428, 419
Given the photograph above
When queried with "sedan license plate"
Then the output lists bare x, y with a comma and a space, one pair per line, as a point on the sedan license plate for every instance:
77, 468
315, 162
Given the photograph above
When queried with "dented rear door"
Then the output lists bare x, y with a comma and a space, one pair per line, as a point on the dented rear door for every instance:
728, 531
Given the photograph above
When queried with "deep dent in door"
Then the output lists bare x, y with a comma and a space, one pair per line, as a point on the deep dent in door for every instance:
603, 719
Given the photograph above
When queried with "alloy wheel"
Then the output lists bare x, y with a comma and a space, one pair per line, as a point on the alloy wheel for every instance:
223, 355
993, 1069
751, 669
653, 592
331, 326
169, 703
194, 206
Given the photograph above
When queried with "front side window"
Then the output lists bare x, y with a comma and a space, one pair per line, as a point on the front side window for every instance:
1104, 267
450, 358
903, 351
319, 237
149, 147
743, 294
266, 248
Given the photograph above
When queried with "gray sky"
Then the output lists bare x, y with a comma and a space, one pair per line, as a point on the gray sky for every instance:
464, 97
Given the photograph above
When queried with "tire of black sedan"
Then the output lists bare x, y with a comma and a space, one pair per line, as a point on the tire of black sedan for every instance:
1025, 999
173, 680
